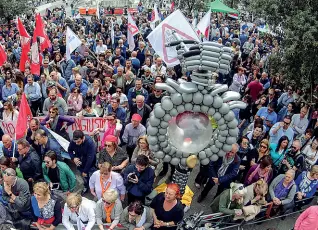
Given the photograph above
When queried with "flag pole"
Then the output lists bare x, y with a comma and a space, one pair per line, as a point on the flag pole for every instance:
15, 141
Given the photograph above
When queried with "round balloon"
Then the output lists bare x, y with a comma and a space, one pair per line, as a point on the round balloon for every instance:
159, 112
214, 157
152, 140
202, 155
167, 104
164, 124
173, 112
167, 117
205, 161
180, 108
162, 131
152, 130
167, 158
224, 108
159, 155
176, 98
175, 161
187, 97
153, 121
218, 102
188, 107
197, 98
204, 108
207, 100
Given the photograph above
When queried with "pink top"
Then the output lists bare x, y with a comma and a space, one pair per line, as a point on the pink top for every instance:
308, 219
75, 103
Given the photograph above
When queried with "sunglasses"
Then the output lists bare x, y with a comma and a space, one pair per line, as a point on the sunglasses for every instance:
286, 123
118, 91
105, 202
263, 147
108, 146
52, 112
294, 147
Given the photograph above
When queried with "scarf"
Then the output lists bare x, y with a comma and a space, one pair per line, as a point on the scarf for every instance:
109, 131
225, 164
258, 171
281, 191
104, 188
108, 211
54, 123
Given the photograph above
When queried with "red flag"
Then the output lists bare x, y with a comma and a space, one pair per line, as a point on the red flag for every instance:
25, 39
3, 56
35, 59
24, 118
40, 32
172, 7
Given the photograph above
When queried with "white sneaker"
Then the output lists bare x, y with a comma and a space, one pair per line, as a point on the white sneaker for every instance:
197, 185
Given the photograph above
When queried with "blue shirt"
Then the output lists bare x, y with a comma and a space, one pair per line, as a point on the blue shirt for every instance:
120, 113
6, 92
33, 92
271, 117
274, 138
83, 88
64, 84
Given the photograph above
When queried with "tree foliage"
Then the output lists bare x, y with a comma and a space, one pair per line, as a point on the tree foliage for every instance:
296, 21
9, 9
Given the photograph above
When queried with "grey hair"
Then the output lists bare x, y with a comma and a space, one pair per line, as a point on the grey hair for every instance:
10, 172
291, 171
111, 195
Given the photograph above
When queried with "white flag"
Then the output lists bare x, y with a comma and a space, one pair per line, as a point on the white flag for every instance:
204, 25
97, 9
162, 34
72, 42
154, 17
132, 31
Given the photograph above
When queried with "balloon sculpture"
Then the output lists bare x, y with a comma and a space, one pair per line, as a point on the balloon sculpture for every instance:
179, 126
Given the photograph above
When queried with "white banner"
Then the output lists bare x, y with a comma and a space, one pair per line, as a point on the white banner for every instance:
162, 35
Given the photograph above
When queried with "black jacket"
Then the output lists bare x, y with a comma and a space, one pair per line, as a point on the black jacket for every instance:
145, 115
31, 165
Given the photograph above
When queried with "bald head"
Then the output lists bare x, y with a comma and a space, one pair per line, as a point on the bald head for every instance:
134, 54
296, 145
6, 137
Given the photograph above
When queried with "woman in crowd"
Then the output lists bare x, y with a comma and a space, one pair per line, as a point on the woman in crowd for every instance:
230, 201
263, 170
255, 136
256, 193
47, 211
167, 209
74, 102
105, 179
103, 100
239, 80
243, 152
311, 153
257, 121
137, 217
79, 211
112, 127
94, 90
277, 151
113, 154
9, 114
87, 110
109, 209
258, 154
58, 174
142, 148
306, 184
57, 123
290, 110
282, 191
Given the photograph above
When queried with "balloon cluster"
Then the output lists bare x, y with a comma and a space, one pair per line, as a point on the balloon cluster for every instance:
179, 126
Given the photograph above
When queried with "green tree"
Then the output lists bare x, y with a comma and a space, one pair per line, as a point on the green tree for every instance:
10, 9
296, 21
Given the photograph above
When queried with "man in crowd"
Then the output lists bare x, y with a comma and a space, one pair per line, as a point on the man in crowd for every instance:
54, 100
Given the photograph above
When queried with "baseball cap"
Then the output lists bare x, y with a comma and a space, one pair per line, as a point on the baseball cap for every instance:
136, 117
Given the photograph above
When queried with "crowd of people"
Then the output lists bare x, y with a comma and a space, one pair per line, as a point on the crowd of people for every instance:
274, 162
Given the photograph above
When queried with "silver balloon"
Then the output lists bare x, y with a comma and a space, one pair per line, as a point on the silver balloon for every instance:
196, 108
208, 152
197, 98
167, 104
212, 141
207, 100
163, 144
232, 124
202, 155
163, 131
153, 121
176, 99
229, 116
173, 112
218, 102
162, 137
214, 149
224, 133
159, 112
211, 111
183, 161
167, 149
214, 157
205, 161
221, 138
217, 116
167, 158
159, 155
187, 97
184, 154
230, 140
179, 154
230, 96
204, 109
154, 148
152, 130
175, 161
223, 127
225, 108
234, 132
200, 87
227, 148
188, 107
180, 108
221, 121
167, 117
152, 140
221, 153
218, 144
164, 124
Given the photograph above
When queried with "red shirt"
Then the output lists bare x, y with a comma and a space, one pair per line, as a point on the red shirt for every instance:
255, 88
